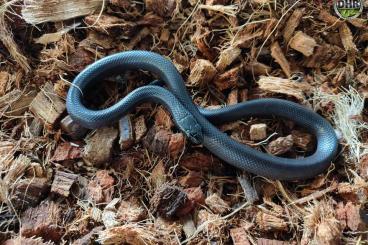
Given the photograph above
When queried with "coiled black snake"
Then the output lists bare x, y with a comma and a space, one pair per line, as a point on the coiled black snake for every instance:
197, 123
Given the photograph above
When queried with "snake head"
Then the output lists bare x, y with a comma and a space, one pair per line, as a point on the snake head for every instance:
191, 128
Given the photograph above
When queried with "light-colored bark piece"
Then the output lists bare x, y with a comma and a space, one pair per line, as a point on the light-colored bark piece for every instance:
40, 11
227, 57
284, 86
47, 105
98, 148
280, 58
201, 72
292, 24
4, 78
140, 128
280, 145
217, 204
303, 43
258, 131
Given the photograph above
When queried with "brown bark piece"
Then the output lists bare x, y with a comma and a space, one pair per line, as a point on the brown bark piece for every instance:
269, 222
353, 220
79, 59
217, 204
63, 182
126, 139
192, 179
164, 8
257, 68
121, 3
28, 192
229, 79
98, 148
363, 167
232, 99
215, 2
227, 57
4, 78
90, 237
326, 17
280, 145
239, 236
42, 221
201, 72
140, 128
176, 145
303, 43
292, 23
15, 102
158, 176
101, 188
258, 131
72, 128
27, 241
131, 211
47, 105
163, 118
303, 140
66, 151
348, 42
197, 161
167, 200
196, 195
263, 241
280, 58
326, 56
107, 23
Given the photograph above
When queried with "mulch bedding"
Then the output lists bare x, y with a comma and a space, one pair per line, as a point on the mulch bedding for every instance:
142, 182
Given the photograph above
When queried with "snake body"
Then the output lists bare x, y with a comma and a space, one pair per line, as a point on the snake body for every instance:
198, 123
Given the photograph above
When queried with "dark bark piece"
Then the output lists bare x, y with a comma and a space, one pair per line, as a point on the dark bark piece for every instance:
163, 118
263, 241
42, 221
302, 140
325, 56
157, 140
126, 139
36, 127
28, 192
228, 79
197, 161
72, 128
192, 179
89, 238
167, 200
278, 55
63, 183
48, 106
98, 148
164, 8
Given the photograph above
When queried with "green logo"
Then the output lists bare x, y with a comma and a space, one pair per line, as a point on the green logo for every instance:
347, 9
